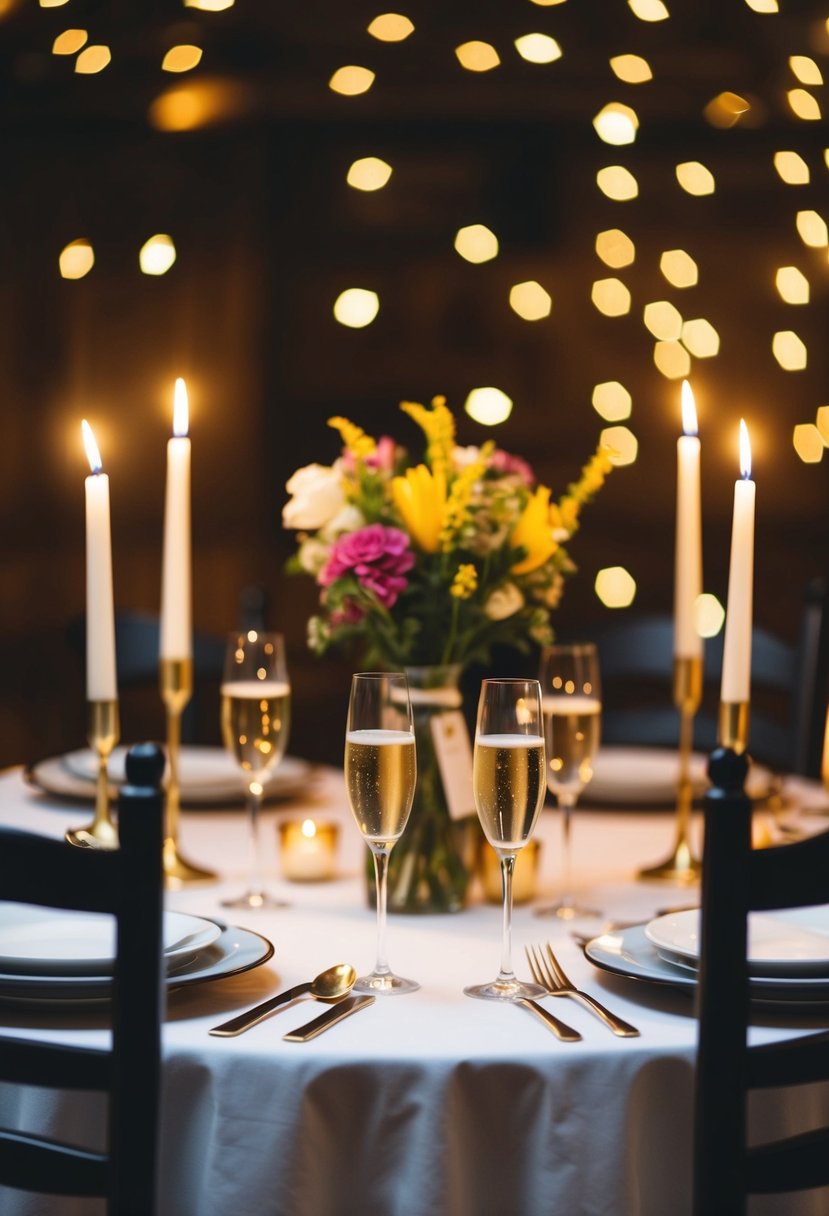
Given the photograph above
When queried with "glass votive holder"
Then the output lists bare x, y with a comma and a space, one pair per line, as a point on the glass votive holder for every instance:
524, 876
308, 849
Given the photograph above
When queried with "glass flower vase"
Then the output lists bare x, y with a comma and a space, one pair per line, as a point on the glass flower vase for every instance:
432, 866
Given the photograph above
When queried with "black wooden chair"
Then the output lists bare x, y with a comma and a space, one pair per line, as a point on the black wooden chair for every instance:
789, 687
738, 879
127, 883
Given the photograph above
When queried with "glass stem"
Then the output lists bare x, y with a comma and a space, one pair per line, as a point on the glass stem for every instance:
507, 868
567, 802
381, 874
256, 884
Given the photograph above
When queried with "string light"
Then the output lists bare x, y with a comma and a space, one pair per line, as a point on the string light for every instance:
804, 105
616, 124
538, 48
93, 60
615, 248
69, 42
672, 360
489, 406
615, 587
663, 320
789, 350
181, 58
694, 178
808, 443
157, 254
76, 259
792, 285
369, 173
617, 183
351, 80
356, 307
611, 297
612, 401
530, 300
477, 56
679, 268
476, 243
701, 338
632, 69
391, 27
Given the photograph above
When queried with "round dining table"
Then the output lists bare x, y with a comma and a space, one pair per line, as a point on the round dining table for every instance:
427, 1104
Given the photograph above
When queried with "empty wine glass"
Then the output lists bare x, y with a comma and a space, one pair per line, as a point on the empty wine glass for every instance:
256, 712
509, 789
380, 775
572, 704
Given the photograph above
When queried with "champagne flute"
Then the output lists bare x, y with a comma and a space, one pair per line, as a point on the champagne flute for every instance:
572, 704
256, 712
380, 774
509, 789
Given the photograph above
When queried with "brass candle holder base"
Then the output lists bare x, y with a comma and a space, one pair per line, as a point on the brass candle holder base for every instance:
176, 681
103, 732
681, 866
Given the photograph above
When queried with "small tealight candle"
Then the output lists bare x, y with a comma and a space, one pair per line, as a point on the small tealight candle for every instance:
524, 876
307, 849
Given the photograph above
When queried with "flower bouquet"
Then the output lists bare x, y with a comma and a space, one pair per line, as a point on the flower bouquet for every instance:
424, 567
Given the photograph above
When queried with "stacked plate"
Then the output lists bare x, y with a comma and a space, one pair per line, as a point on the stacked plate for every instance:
788, 954
48, 956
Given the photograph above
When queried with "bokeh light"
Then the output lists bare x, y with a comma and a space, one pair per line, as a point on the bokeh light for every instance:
93, 60
476, 243
76, 259
709, 615
789, 350
356, 307
477, 56
694, 178
489, 406
615, 248
808, 443
369, 173
612, 401
538, 48
615, 587
611, 297
663, 320
157, 255
792, 168
632, 69
622, 441
701, 338
69, 42
679, 268
672, 360
181, 58
812, 229
792, 285
391, 27
617, 182
530, 300
351, 80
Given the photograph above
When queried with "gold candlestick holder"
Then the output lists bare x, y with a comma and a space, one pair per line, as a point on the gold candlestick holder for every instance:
103, 732
176, 681
733, 725
681, 866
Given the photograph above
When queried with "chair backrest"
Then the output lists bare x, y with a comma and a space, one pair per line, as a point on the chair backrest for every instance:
789, 684
738, 879
127, 883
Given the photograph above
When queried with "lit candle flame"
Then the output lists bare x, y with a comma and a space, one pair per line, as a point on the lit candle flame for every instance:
91, 448
745, 450
181, 410
689, 410
309, 828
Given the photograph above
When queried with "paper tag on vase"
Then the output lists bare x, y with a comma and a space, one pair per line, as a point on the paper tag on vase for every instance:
454, 756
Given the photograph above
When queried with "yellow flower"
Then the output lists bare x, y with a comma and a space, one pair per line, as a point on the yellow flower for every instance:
460, 494
534, 533
354, 438
420, 498
465, 582
438, 426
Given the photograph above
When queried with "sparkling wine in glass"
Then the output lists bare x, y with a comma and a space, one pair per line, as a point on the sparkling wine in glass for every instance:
572, 705
380, 775
509, 789
256, 714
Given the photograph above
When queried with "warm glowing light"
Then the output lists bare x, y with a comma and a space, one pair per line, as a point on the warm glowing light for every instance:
689, 409
369, 173
792, 168
93, 455
615, 587
210, 6
181, 58
622, 441
611, 297
69, 42
672, 360
308, 828
477, 56
489, 406
181, 409
789, 350
812, 229
615, 248
792, 285
53, 3
745, 450
530, 300
616, 123
356, 307
391, 27
351, 80
763, 6
546, 3
538, 48
617, 183
805, 69
808, 443
695, 178
700, 338
198, 103
648, 10
633, 69
663, 320
679, 268
803, 105
94, 59
726, 109
709, 615
157, 255
476, 243
822, 423
612, 401
76, 259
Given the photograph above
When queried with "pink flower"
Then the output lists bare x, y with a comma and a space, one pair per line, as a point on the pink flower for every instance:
509, 465
381, 460
378, 556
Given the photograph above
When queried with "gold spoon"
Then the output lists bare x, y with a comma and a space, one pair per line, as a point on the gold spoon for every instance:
330, 985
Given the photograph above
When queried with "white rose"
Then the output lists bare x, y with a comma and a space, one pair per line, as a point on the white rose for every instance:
348, 519
313, 555
316, 496
503, 602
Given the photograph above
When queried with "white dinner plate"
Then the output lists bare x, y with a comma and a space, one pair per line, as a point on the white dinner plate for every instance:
41, 941
627, 952
648, 776
208, 776
793, 942
234, 950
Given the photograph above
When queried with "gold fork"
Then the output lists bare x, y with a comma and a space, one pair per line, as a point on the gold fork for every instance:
551, 976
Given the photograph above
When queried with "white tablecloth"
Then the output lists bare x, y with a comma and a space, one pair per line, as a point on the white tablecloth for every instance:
425, 1104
